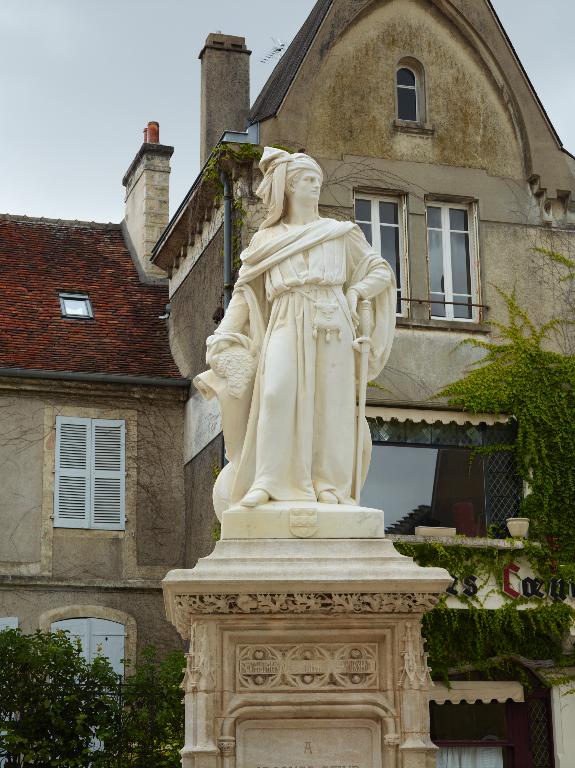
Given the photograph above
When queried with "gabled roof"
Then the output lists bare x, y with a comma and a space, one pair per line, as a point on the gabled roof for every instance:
275, 89
273, 93
39, 259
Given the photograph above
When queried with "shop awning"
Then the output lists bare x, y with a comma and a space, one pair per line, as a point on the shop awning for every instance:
431, 416
473, 691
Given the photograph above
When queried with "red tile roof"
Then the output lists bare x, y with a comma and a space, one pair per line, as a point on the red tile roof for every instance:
39, 258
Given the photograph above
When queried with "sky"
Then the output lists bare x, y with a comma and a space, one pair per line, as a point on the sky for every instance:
80, 79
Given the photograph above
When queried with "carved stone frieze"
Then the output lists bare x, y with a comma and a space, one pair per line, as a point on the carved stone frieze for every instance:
301, 603
310, 666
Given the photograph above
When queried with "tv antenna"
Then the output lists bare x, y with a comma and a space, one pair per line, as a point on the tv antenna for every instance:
275, 51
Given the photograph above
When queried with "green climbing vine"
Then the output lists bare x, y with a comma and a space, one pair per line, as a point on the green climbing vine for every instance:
523, 375
492, 641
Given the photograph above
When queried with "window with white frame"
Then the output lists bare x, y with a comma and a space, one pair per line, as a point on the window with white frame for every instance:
98, 637
453, 279
89, 490
382, 221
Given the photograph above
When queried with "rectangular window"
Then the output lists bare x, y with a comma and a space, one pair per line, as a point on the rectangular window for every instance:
76, 305
453, 281
431, 475
90, 473
382, 221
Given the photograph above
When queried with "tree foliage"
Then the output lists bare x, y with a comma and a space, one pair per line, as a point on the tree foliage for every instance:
57, 709
52, 703
149, 728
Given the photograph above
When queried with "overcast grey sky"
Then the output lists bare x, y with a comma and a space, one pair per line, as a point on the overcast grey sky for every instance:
81, 78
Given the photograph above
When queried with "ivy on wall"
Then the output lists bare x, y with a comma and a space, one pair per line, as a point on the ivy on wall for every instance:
493, 640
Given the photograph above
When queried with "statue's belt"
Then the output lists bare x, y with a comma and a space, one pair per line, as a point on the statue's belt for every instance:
325, 317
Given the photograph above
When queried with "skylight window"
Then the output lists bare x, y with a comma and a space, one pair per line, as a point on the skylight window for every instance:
76, 305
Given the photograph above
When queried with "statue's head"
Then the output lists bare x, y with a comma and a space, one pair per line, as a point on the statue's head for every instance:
287, 176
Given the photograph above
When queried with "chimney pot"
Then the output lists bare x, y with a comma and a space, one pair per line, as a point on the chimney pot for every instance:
153, 132
145, 135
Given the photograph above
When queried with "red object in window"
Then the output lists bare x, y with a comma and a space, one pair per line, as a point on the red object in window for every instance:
464, 519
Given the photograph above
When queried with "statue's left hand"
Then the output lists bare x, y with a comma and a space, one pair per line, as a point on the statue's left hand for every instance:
352, 297
359, 343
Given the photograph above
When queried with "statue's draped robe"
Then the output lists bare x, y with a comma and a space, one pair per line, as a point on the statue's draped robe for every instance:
293, 433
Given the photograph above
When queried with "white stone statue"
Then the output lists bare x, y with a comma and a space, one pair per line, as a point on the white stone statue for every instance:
285, 360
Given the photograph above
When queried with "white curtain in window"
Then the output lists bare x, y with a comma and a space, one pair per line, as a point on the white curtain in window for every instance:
470, 757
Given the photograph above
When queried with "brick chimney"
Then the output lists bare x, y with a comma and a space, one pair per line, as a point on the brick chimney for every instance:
225, 93
147, 198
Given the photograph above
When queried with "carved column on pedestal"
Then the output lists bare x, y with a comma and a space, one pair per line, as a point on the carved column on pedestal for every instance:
199, 687
414, 683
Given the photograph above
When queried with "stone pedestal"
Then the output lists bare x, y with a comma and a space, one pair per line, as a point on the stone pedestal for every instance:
304, 651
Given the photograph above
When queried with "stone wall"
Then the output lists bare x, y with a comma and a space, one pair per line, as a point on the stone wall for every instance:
42, 566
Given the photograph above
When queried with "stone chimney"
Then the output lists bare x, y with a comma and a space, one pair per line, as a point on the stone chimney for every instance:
225, 94
147, 198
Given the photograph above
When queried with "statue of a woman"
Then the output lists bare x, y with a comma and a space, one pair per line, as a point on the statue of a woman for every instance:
284, 360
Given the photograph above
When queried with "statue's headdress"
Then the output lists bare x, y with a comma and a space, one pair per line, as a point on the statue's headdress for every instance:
275, 165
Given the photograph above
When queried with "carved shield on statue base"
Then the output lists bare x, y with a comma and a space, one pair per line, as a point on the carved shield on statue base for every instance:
303, 523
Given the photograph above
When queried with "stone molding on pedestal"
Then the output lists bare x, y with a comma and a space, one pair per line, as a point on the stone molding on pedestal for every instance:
320, 603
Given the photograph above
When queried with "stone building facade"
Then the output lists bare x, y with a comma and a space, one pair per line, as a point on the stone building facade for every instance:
432, 139
92, 405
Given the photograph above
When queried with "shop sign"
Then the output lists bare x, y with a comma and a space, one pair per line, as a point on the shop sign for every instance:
515, 586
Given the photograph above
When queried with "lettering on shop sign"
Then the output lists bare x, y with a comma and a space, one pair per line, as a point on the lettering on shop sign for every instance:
514, 586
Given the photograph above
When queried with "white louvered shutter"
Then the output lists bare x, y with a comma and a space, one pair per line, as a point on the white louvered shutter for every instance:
108, 474
72, 482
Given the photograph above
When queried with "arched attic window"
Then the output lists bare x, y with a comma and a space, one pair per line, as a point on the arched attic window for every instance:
410, 91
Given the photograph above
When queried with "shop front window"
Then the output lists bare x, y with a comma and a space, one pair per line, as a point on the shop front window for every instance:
470, 735
492, 734
433, 475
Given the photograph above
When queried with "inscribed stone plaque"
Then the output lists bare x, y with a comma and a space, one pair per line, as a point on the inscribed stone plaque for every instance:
308, 744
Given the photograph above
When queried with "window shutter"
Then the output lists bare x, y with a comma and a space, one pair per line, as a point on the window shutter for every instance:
108, 471
77, 629
72, 483
107, 639
99, 637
